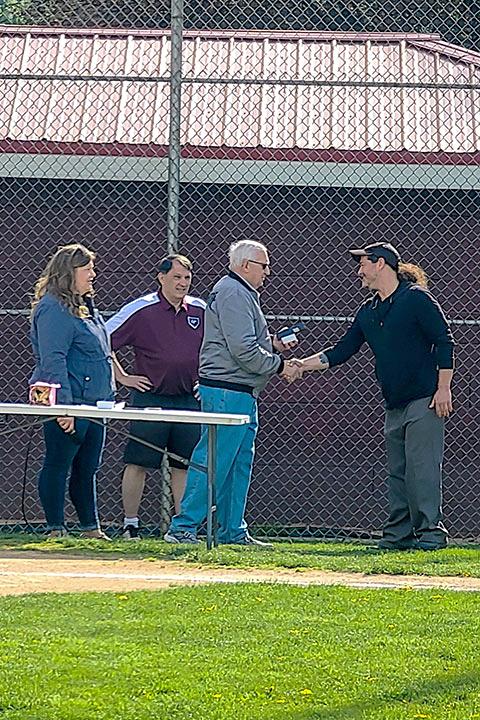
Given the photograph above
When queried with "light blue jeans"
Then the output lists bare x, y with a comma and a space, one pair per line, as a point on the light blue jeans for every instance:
235, 451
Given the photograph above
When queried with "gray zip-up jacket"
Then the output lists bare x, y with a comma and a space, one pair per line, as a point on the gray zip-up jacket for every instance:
237, 348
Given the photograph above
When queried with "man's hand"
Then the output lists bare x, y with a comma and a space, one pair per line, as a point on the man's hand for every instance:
292, 370
442, 402
281, 346
136, 382
67, 424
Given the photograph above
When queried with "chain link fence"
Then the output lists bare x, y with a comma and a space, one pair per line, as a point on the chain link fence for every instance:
312, 127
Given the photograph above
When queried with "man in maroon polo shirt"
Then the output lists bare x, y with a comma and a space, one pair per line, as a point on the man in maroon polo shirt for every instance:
165, 331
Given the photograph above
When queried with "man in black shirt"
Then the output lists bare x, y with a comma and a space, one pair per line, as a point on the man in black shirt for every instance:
413, 347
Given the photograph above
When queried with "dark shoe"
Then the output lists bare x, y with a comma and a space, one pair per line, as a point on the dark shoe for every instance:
425, 545
251, 542
181, 538
57, 534
385, 544
130, 532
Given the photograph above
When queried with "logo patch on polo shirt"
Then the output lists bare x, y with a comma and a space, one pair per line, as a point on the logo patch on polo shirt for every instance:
193, 321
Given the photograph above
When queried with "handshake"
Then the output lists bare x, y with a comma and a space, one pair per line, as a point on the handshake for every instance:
293, 370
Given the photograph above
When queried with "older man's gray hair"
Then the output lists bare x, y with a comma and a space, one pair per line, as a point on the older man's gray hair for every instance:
244, 250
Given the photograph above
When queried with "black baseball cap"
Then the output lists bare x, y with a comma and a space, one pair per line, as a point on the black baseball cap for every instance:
379, 250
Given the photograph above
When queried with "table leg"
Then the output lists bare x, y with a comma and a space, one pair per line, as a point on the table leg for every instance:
211, 478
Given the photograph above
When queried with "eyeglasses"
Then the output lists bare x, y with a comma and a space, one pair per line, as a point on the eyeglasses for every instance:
264, 265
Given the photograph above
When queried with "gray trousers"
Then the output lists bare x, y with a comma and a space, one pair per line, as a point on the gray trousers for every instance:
414, 438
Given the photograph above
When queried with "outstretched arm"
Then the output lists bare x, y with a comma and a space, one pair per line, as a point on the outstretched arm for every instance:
347, 346
319, 361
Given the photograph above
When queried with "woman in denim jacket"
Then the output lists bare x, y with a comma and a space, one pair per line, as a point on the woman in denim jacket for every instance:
71, 348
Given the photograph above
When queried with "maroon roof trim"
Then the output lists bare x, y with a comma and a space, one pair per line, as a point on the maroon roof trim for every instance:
333, 155
386, 157
50, 147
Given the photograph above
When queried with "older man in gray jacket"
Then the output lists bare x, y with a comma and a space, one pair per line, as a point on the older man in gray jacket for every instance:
237, 360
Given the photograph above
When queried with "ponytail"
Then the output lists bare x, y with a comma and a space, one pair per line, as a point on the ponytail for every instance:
412, 273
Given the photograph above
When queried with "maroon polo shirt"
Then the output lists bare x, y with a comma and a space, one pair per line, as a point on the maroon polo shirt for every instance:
166, 343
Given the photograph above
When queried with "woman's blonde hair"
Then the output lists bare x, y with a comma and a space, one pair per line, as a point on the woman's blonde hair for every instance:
412, 273
58, 278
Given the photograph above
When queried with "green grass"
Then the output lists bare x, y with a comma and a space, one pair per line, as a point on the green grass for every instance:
340, 557
241, 653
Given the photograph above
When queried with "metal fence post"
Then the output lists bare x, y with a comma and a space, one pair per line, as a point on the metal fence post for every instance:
173, 192
173, 196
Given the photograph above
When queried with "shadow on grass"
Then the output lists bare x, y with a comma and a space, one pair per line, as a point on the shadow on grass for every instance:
22, 545
21, 540
321, 556
437, 691
344, 549
327, 549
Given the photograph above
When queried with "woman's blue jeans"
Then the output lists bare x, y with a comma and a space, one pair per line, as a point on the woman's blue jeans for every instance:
80, 455
235, 452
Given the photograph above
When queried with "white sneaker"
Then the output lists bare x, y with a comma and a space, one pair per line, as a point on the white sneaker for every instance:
252, 542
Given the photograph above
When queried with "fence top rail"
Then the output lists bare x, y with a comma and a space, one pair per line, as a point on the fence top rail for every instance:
122, 413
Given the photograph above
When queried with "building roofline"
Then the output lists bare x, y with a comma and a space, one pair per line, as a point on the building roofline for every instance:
311, 35
454, 52
428, 42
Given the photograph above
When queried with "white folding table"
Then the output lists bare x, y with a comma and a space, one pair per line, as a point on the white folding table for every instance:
212, 420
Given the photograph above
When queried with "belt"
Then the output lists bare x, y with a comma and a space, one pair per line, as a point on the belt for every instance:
226, 385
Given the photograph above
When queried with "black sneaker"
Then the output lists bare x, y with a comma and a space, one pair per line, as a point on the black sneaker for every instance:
130, 532
396, 544
427, 546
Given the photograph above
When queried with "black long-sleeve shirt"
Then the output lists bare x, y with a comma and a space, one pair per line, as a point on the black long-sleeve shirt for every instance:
410, 339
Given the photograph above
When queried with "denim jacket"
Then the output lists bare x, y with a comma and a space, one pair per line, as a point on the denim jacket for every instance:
73, 352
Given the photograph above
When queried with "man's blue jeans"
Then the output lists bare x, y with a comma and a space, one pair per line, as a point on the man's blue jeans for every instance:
235, 451
78, 455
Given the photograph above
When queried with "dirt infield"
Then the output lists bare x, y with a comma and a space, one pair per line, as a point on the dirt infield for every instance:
22, 573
